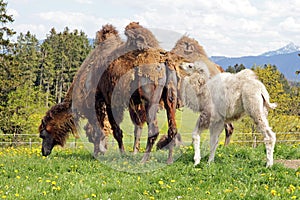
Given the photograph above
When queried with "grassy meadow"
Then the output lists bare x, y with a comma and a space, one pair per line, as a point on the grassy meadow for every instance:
238, 172
72, 173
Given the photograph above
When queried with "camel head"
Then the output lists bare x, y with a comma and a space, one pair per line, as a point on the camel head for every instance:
56, 126
189, 48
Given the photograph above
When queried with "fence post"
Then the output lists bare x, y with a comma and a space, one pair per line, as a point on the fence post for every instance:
253, 136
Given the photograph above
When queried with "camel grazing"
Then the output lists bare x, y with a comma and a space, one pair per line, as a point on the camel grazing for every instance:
60, 120
226, 97
138, 72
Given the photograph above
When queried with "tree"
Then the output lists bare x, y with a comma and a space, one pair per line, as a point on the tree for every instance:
236, 68
62, 55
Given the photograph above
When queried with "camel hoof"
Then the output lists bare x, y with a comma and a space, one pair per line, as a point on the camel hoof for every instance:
170, 161
145, 158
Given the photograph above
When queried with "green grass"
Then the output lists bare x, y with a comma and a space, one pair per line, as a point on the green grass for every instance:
238, 173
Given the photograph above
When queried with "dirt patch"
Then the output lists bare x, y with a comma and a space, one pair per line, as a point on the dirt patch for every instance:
294, 164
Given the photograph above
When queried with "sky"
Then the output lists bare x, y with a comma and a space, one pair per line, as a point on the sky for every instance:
223, 27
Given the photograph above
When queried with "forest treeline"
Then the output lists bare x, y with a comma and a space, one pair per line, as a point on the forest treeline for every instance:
35, 75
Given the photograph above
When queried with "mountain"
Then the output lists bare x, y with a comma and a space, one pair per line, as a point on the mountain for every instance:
286, 60
290, 48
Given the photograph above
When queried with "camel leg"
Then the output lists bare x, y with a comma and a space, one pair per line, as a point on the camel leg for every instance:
215, 130
137, 136
202, 124
258, 113
170, 102
151, 106
100, 136
228, 131
138, 117
117, 132
269, 137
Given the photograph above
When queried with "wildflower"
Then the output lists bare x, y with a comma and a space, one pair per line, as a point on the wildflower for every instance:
157, 191
173, 181
56, 188
94, 195
297, 174
146, 192
44, 193
273, 192
294, 197
48, 181
139, 178
160, 182
18, 177
4, 197
151, 198
291, 189
17, 195
207, 192
227, 190
266, 187
189, 188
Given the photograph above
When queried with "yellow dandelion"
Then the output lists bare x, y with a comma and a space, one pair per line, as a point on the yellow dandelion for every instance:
94, 195
266, 187
139, 178
294, 197
173, 181
227, 191
44, 193
18, 177
17, 195
157, 191
48, 181
151, 198
145, 192
16, 171
207, 192
160, 182
273, 192
3, 196
262, 174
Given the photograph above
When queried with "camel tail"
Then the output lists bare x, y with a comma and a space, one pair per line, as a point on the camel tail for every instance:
266, 97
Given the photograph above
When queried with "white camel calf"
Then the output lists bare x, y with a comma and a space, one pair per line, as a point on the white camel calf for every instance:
224, 98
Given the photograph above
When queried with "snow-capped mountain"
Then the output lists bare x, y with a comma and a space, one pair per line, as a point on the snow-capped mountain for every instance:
290, 48
286, 59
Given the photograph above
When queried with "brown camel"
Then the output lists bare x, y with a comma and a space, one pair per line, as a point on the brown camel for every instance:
147, 72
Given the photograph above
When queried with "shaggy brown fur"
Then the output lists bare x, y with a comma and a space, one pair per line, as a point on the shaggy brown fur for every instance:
59, 120
191, 50
139, 37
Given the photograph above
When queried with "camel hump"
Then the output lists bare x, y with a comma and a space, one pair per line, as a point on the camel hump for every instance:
107, 31
139, 37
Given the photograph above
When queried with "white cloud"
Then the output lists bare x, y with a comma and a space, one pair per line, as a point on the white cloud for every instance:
84, 1
290, 24
223, 27
13, 12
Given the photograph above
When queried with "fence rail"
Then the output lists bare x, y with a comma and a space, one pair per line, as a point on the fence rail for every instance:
246, 138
